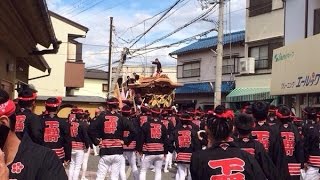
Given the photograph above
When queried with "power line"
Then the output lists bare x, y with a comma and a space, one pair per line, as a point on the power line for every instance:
97, 3
180, 42
180, 28
153, 25
79, 6
147, 19
107, 9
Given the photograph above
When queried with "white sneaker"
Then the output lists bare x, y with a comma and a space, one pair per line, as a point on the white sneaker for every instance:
165, 171
84, 178
153, 170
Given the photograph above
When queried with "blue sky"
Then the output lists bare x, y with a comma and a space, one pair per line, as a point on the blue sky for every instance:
95, 14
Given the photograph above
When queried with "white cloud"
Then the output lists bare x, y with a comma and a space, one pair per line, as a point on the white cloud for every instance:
96, 19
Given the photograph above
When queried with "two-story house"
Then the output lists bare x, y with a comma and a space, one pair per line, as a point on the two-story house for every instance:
296, 72
264, 33
196, 69
67, 69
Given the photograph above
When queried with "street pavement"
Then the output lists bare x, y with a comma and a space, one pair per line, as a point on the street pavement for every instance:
93, 164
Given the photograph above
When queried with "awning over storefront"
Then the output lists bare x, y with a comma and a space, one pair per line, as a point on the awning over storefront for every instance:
205, 87
249, 94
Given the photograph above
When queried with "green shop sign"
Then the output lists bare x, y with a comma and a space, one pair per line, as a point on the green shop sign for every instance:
282, 57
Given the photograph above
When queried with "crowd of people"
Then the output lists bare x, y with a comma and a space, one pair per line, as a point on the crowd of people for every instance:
261, 142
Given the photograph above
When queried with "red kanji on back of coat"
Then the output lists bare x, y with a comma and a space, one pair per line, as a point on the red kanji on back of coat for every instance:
155, 131
110, 125
184, 139
52, 131
231, 169
20, 119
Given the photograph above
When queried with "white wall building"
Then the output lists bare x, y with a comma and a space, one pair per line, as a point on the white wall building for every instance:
196, 69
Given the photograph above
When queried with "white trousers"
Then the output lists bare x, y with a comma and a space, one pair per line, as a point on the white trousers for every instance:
75, 164
110, 161
311, 174
168, 161
183, 171
85, 163
147, 161
123, 175
95, 151
131, 157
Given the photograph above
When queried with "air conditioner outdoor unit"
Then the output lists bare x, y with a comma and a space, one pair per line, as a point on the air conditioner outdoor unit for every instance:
247, 65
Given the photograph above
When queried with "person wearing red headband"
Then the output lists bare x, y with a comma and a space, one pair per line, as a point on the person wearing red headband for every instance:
107, 130
272, 117
243, 126
184, 141
170, 128
271, 139
292, 142
22, 158
129, 150
80, 144
27, 121
224, 160
311, 133
56, 131
153, 144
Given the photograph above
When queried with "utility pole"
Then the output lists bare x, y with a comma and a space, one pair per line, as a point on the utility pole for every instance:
218, 82
110, 61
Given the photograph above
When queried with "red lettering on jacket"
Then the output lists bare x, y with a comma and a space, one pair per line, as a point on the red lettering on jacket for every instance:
74, 129
52, 131
263, 138
155, 131
20, 119
111, 124
288, 142
231, 169
184, 139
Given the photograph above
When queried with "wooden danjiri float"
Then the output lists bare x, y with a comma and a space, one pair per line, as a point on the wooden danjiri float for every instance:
156, 91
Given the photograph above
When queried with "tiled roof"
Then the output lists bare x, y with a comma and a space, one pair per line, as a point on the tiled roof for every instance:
204, 87
210, 42
95, 74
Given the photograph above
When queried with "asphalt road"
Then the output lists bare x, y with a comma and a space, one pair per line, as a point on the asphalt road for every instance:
93, 164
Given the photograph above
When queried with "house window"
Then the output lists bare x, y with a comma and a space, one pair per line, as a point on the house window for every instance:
105, 87
191, 70
260, 53
230, 66
258, 7
316, 22
188, 70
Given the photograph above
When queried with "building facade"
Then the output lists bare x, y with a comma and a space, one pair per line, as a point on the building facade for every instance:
67, 67
95, 84
296, 73
264, 33
18, 42
196, 70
